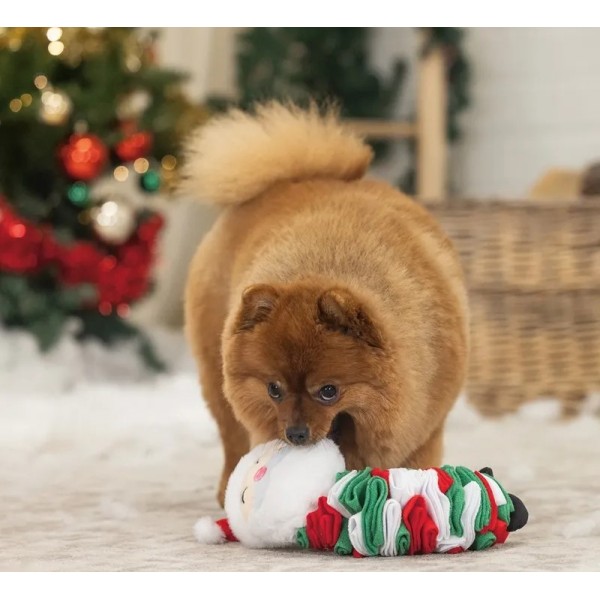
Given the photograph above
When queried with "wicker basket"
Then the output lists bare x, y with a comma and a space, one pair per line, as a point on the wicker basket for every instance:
533, 271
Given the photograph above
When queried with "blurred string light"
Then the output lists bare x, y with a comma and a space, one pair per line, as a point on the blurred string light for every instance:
168, 162
141, 165
56, 48
15, 105
133, 63
169, 172
54, 34
40, 82
55, 108
121, 173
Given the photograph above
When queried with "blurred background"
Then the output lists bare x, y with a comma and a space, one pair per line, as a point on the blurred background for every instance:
495, 130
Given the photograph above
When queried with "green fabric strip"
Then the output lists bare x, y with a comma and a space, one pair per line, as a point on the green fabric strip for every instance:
372, 514
354, 494
456, 496
504, 513
483, 541
484, 514
302, 538
343, 547
505, 510
402, 540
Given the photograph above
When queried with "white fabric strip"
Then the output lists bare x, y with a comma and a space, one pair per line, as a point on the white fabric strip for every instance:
472, 493
498, 495
472, 503
333, 497
392, 518
355, 532
406, 483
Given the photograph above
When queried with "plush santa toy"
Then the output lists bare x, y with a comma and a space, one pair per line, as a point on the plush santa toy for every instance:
281, 495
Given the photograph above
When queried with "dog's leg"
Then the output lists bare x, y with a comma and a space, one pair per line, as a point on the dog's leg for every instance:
233, 434
429, 454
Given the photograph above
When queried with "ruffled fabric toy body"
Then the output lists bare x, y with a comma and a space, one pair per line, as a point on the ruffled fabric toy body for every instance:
282, 496
392, 512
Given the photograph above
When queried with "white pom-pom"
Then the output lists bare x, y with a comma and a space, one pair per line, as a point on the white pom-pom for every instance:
208, 532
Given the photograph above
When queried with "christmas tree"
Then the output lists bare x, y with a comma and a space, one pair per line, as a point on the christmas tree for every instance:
86, 119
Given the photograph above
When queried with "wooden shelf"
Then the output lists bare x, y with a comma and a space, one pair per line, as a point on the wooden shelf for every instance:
428, 130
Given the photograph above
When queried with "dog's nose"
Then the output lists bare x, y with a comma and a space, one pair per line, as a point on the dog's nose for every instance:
297, 435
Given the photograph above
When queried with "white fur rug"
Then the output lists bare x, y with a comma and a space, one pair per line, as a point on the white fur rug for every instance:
104, 469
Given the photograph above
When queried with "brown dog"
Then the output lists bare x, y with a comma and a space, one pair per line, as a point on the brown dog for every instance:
320, 304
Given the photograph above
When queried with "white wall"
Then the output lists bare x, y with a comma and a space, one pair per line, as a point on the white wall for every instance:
536, 104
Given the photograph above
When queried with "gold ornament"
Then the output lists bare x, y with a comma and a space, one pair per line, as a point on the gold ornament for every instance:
113, 219
55, 107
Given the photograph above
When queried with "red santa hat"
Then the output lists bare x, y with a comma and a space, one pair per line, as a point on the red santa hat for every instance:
208, 531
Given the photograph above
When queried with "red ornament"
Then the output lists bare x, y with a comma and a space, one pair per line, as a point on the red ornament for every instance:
119, 278
135, 145
23, 245
79, 263
83, 157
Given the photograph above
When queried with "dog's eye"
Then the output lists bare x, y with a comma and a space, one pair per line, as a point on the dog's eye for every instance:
274, 391
328, 394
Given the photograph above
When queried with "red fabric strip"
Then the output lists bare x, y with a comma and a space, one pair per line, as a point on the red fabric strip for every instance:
323, 526
494, 517
445, 481
501, 531
422, 528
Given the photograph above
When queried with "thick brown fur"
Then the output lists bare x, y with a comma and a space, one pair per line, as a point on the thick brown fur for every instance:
316, 277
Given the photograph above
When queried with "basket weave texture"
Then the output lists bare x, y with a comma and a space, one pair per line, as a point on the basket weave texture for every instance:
533, 273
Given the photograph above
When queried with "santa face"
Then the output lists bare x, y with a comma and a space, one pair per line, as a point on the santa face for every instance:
275, 486
254, 485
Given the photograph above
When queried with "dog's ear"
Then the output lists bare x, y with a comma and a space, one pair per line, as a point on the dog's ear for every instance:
340, 311
258, 302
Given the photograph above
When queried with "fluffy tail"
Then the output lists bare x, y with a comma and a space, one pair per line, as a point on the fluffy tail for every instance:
237, 156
